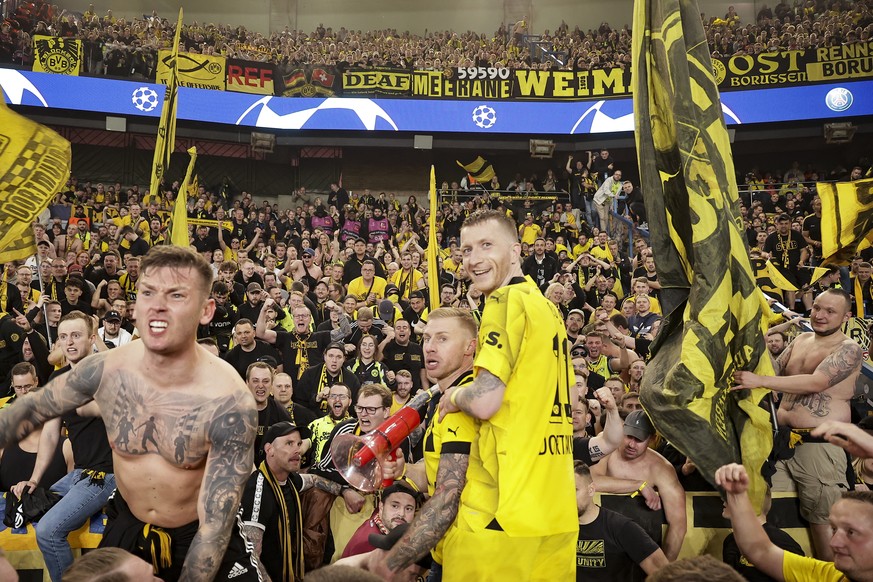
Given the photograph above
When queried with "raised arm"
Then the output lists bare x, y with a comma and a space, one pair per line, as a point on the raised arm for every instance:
63, 394
610, 439
673, 501
753, 541
261, 330
228, 466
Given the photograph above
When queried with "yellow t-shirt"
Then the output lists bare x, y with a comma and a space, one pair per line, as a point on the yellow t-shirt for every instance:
526, 448
410, 281
801, 569
604, 254
321, 429
579, 249
361, 289
454, 434
531, 233
654, 304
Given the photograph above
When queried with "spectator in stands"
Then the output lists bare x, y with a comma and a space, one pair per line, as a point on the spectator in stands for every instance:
397, 506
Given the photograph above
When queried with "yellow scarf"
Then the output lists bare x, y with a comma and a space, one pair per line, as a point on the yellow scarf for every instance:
292, 565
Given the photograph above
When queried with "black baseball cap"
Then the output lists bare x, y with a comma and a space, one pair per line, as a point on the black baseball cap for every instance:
416, 295
638, 425
112, 316
283, 428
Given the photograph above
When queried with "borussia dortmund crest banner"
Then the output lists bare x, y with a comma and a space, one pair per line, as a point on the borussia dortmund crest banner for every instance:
714, 322
56, 55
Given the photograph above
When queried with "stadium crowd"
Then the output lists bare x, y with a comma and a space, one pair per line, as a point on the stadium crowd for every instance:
121, 47
323, 311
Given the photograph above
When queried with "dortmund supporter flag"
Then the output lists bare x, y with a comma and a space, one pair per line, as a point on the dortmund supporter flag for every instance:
34, 164
178, 226
847, 219
778, 277
166, 140
479, 169
433, 274
713, 325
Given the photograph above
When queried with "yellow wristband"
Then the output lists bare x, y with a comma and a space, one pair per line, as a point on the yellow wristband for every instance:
640, 490
453, 398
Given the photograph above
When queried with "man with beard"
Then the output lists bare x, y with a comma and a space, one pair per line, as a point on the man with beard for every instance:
539, 266
817, 374
248, 349
397, 505
314, 385
271, 511
787, 252
301, 348
339, 399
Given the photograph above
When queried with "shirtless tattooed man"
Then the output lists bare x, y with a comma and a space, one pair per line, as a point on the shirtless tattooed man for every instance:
178, 493
816, 374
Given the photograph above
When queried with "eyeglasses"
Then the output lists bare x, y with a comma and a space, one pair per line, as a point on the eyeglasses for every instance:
339, 397
370, 410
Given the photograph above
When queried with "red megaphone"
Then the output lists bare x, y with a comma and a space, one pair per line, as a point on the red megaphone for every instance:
357, 458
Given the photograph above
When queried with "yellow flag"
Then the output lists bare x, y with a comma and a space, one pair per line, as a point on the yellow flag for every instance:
179, 221
433, 273
166, 140
34, 165
847, 219
479, 169
714, 324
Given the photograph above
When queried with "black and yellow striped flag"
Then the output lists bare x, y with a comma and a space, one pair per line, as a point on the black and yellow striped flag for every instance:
433, 265
847, 219
713, 308
34, 164
166, 140
178, 225
479, 169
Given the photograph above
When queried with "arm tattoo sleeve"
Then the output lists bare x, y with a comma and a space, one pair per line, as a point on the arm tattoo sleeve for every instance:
782, 360
230, 462
842, 363
434, 519
61, 395
325, 485
485, 382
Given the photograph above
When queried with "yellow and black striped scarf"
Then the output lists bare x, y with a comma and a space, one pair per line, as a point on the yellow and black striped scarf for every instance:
292, 561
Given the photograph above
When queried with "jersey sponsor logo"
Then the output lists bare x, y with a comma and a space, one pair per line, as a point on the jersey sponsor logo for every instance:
454, 431
493, 339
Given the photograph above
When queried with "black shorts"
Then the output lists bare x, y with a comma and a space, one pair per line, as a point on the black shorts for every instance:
123, 530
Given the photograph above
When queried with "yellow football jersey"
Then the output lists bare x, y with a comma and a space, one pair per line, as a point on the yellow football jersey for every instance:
520, 477
453, 434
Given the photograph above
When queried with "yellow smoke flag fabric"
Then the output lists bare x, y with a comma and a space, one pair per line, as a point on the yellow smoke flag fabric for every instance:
479, 169
433, 273
34, 165
166, 140
714, 324
179, 221
846, 219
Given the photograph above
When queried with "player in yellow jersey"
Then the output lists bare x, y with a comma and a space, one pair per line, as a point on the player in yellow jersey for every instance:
516, 520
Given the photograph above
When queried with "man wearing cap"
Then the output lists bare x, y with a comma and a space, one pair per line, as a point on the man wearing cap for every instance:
575, 322
416, 313
304, 268
112, 332
388, 310
407, 278
314, 385
397, 505
251, 307
369, 286
641, 472
270, 507
44, 252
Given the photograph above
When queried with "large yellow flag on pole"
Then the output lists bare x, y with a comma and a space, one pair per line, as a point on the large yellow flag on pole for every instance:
178, 227
34, 164
713, 325
433, 273
166, 140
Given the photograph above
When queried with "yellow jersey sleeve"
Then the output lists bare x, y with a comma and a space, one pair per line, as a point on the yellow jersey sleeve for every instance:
802, 569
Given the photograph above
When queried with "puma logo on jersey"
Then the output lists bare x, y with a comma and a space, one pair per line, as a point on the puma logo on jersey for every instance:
454, 431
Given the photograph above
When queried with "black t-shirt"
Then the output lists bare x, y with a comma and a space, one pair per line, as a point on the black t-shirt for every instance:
241, 359
261, 509
581, 452
273, 413
785, 250
733, 557
409, 357
315, 345
88, 438
306, 388
611, 548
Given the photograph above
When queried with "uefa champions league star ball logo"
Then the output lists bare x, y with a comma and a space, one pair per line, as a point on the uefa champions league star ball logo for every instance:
484, 116
839, 99
144, 99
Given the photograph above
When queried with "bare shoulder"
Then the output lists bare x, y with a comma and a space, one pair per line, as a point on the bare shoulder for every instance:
659, 467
